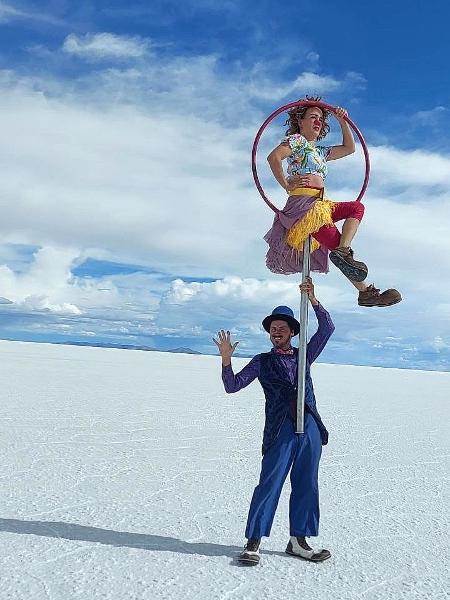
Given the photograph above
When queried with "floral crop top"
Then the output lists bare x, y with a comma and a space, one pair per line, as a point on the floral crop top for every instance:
306, 157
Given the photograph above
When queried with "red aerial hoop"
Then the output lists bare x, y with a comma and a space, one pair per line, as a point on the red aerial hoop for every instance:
286, 107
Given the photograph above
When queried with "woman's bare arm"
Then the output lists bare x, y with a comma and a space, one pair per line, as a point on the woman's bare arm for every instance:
348, 143
275, 159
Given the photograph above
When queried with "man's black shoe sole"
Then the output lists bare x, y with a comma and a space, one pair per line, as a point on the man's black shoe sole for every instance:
249, 562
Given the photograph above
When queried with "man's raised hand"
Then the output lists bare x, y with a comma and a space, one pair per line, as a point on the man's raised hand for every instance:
226, 348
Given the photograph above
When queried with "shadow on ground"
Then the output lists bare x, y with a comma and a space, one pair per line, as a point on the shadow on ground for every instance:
109, 537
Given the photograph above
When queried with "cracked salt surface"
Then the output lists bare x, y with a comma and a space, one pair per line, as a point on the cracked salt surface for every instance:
129, 475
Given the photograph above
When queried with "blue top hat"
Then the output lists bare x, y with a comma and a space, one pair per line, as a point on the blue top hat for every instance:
282, 313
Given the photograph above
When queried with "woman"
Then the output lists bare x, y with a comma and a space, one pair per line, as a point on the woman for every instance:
307, 212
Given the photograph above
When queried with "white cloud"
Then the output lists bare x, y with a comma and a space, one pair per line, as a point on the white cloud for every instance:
109, 305
98, 46
313, 57
240, 290
42, 303
307, 82
319, 84
416, 167
439, 344
10, 13
42, 284
430, 117
116, 178
234, 303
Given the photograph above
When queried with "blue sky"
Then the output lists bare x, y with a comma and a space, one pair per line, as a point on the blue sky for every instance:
129, 212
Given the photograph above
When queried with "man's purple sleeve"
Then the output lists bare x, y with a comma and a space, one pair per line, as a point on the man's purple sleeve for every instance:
318, 341
234, 383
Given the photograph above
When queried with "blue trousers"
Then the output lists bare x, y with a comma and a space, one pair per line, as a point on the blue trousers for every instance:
300, 453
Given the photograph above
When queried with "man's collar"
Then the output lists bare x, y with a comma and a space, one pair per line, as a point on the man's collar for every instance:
288, 352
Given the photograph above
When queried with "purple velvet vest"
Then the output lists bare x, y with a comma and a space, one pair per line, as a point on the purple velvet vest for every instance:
280, 393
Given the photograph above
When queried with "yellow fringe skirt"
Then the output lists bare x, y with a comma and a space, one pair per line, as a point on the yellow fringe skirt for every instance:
318, 215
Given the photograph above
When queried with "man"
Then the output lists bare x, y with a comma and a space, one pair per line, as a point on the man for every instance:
283, 449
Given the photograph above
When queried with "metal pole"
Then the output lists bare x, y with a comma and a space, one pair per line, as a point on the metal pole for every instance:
303, 340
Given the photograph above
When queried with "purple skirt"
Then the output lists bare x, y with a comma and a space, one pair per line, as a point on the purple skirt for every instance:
282, 258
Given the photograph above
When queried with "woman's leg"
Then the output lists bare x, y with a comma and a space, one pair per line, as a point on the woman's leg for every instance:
349, 230
353, 213
329, 235
342, 255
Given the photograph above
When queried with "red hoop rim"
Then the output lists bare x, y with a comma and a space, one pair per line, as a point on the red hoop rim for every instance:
286, 107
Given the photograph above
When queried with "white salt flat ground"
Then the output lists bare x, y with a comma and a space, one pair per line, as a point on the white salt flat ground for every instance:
127, 475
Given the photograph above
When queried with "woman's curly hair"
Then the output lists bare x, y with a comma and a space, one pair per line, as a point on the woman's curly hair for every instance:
298, 112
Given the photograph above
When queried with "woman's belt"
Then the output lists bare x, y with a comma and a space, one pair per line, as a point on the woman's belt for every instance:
306, 191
